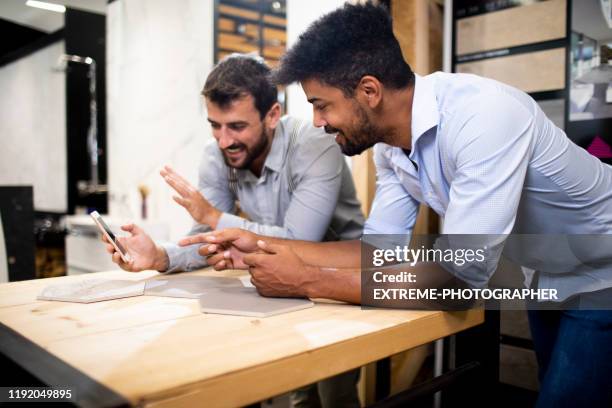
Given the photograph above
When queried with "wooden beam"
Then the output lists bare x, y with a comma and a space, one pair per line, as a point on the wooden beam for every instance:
364, 177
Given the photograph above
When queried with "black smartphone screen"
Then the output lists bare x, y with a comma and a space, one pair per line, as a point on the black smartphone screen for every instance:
111, 235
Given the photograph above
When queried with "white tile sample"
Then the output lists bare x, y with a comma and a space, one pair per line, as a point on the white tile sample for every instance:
92, 290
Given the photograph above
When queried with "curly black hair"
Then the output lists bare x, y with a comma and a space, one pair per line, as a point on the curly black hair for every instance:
343, 46
239, 75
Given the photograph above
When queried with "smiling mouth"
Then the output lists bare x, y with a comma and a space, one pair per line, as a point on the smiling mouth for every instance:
330, 130
234, 150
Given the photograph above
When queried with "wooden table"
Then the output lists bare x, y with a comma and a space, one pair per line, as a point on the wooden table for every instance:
161, 351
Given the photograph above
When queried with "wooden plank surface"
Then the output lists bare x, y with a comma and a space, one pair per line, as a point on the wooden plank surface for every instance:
531, 72
532, 23
250, 14
364, 177
411, 28
164, 352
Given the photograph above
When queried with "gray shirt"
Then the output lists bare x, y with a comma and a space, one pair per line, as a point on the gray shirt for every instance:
321, 206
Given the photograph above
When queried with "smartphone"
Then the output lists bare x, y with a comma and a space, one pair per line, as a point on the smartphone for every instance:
110, 236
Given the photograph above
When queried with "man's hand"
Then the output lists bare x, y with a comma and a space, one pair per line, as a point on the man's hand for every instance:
145, 254
278, 271
226, 248
191, 199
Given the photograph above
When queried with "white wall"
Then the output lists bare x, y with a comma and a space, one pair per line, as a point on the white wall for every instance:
300, 14
158, 56
33, 127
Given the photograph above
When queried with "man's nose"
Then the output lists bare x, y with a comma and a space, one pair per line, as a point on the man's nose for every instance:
224, 140
318, 120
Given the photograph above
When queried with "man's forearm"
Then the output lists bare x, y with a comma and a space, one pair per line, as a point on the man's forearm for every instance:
336, 284
346, 284
162, 261
211, 217
334, 254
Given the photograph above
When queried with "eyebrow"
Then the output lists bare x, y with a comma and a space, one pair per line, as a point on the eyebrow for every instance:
313, 100
239, 122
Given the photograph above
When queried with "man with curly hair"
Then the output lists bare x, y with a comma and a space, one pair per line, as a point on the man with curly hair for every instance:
478, 152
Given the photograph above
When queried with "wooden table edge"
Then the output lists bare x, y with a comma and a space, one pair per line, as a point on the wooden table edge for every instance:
220, 390
55, 372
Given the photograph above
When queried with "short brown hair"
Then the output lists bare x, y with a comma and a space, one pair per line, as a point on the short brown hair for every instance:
237, 76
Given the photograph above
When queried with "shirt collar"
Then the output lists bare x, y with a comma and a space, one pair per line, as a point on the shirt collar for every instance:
425, 114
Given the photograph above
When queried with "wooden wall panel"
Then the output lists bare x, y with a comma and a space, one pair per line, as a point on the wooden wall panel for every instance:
436, 35
532, 72
364, 176
411, 28
511, 27
237, 43
239, 31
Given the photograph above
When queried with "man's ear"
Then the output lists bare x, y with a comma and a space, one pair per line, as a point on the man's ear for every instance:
273, 116
369, 91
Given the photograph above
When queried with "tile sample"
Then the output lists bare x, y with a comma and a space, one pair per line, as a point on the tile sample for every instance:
243, 301
188, 286
92, 290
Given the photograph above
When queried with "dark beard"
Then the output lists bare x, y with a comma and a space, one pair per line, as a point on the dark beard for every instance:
364, 136
252, 153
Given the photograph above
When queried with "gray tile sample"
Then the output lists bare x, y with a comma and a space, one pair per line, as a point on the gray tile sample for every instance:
188, 286
244, 301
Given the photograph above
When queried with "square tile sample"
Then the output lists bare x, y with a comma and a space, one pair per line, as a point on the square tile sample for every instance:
188, 286
245, 301
92, 290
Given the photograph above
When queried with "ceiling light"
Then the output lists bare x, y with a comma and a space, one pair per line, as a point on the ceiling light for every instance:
46, 6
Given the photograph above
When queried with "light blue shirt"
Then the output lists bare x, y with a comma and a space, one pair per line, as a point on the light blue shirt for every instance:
490, 162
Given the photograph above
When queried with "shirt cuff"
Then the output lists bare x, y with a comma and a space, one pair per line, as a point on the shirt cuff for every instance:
183, 258
230, 221
383, 228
